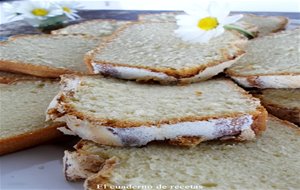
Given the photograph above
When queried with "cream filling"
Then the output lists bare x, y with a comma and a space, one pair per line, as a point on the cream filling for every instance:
209, 72
130, 73
138, 136
280, 81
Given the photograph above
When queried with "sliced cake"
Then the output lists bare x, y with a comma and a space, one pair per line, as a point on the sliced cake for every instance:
283, 103
46, 55
270, 62
151, 51
125, 113
22, 116
271, 162
266, 24
97, 28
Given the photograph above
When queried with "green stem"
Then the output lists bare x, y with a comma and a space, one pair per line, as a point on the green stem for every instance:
246, 33
52, 23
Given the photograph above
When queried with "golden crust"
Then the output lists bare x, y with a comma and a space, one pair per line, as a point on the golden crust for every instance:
101, 179
186, 141
29, 139
12, 79
290, 114
177, 73
31, 69
7, 80
251, 78
36, 70
259, 121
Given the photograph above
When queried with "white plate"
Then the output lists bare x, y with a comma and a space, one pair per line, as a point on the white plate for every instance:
38, 168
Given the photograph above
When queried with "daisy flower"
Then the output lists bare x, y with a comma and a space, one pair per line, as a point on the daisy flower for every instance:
39, 10
201, 23
11, 11
69, 8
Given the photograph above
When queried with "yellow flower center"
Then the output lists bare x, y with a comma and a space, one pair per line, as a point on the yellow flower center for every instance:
66, 9
39, 12
208, 23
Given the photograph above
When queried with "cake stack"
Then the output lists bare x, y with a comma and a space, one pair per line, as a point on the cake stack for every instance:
156, 112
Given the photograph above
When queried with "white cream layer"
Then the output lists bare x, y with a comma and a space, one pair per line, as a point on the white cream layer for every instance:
138, 136
130, 73
280, 81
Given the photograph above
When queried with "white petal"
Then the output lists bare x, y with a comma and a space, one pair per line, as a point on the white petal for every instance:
198, 37
195, 36
28, 15
190, 38
190, 30
74, 11
72, 16
231, 19
188, 34
26, 7
218, 31
204, 38
185, 20
55, 12
7, 7
37, 4
70, 4
219, 10
9, 11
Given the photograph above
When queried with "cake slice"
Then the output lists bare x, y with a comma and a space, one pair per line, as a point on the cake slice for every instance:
271, 162
22, 116
125, 113
46, 55
159, 17
283, 103
270, 62
265, 24
97, 27
151, 51
8, 77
